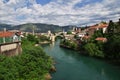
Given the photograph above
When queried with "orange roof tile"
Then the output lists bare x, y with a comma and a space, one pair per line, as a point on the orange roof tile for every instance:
101, 39
86, 37
103, 25
98, 26
6, 34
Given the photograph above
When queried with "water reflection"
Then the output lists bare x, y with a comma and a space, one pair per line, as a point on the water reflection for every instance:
102, 72
52, 44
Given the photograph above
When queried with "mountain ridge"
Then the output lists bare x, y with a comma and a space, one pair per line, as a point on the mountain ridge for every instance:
38, 27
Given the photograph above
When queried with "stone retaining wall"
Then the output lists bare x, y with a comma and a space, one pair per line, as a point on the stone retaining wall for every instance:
11, 49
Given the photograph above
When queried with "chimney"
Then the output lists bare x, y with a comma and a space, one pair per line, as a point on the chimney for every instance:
4, 29
33, 30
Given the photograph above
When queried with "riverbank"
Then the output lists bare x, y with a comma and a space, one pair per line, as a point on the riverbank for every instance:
88, 49
44, 42
69, 44
71, 65
67, 47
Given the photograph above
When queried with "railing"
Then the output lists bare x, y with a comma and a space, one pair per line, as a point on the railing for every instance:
9, 40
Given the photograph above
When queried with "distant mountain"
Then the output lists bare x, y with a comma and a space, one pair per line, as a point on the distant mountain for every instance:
68, 28
2, 26
38, 27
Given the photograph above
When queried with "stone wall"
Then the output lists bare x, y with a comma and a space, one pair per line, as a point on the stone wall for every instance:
11, 49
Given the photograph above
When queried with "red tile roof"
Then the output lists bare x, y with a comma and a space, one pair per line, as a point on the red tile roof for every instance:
101, 39
86, 37
98, 26
103, 25
6, 34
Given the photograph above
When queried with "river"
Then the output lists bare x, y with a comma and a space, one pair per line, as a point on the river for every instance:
71, 65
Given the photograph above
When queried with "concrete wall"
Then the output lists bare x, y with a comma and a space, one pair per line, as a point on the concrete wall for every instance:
11, 49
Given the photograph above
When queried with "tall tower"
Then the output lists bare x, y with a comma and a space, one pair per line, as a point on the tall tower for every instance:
33, 30
4, 29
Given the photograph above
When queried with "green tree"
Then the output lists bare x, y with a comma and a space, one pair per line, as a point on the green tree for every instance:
32, 64
117, 27
69, 32
111, 27
32, 38
98, 33
43, 38
93, 50
112, 47
69, 43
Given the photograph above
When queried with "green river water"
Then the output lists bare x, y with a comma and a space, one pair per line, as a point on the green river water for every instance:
71, 65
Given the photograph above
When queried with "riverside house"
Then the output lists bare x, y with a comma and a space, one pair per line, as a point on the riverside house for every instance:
96, 27
10, 43
8, 37
102, 39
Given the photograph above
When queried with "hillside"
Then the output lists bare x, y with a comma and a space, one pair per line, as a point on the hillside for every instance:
38, 27
2, 26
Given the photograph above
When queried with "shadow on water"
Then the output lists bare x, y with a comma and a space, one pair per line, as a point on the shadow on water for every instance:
73, 66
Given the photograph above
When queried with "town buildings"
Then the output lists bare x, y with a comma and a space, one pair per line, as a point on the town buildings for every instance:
10, 43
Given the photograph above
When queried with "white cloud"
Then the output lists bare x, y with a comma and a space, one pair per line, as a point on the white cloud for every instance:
59, 12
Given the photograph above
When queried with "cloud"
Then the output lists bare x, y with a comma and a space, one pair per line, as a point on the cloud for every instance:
59, 12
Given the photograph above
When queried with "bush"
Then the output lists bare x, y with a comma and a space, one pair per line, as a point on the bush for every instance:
69, 44
112, 47
43, 38
69, 32
93, 50
32, 38
32, 64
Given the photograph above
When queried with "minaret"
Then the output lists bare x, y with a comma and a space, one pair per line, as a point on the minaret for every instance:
73, 29
4, 37
33, 30
4, 29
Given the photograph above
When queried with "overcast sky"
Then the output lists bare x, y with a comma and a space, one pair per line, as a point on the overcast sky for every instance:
59, 12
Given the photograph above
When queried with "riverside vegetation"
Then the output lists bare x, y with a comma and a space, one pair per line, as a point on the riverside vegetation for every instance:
69, 44
109, 50
32, 64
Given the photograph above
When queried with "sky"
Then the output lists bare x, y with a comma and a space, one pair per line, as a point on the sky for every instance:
59, 12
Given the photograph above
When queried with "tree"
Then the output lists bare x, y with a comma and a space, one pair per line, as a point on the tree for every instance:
69, 32
117, 27
111, 27
69, 43
112, 47
97, 33
43, 38
93, 50
103, 22
32, 38
32, 64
